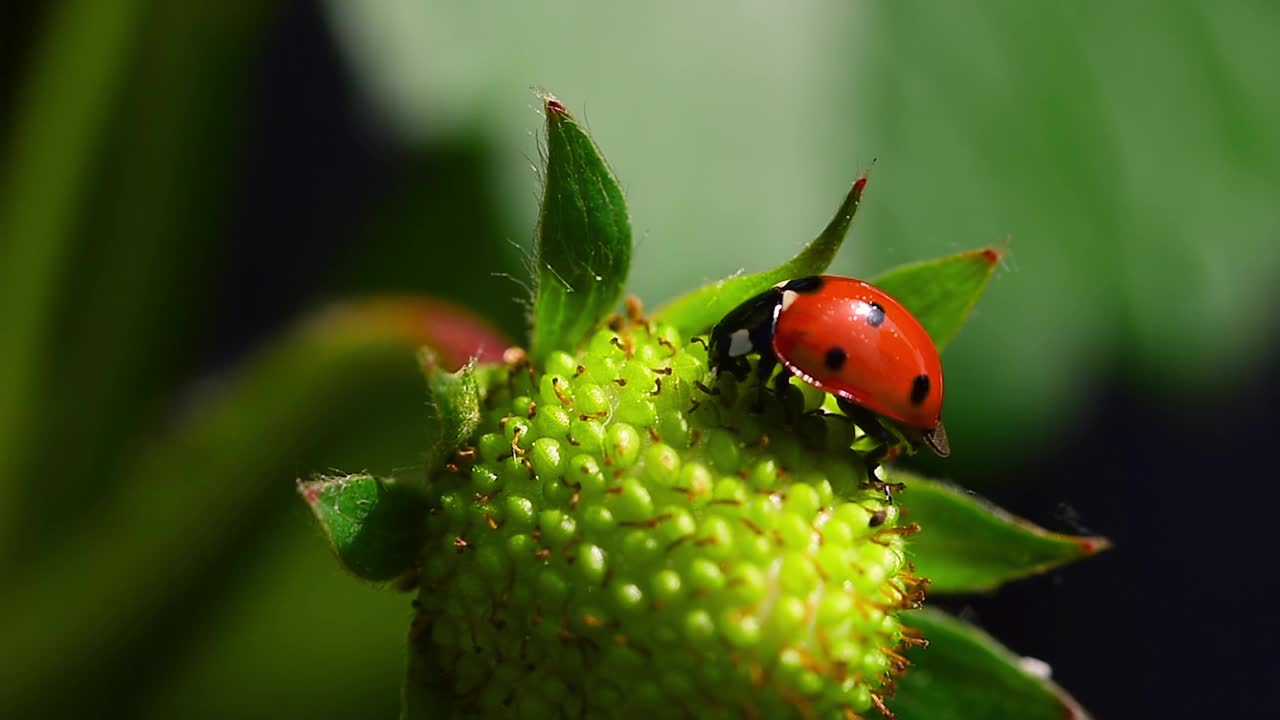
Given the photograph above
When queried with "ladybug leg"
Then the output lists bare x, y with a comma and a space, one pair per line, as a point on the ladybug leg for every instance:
780, 382
870, 424
764, 370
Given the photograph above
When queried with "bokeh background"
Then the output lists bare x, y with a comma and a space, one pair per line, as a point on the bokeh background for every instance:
180, 182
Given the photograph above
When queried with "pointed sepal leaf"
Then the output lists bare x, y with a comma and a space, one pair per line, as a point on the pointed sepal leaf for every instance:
968, 545
696, 311
453, 408
941, 293
583, 241
376, 526
964, 673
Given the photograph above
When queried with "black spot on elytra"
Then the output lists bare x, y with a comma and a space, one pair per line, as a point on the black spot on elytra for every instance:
919, 389
806, 285
835, 358
875, 317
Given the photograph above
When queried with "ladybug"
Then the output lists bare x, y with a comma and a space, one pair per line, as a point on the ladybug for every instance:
848, 338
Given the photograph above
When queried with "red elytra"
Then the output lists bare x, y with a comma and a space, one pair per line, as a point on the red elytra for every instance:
849, 338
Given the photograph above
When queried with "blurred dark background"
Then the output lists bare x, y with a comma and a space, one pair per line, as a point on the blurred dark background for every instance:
182, 182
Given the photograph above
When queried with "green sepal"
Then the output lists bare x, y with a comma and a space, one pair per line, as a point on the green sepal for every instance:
376, 526
968, 545
453, 408
941, 293
695, 312
965, 674
583, 241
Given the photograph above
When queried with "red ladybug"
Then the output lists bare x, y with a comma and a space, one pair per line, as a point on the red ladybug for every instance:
848, 338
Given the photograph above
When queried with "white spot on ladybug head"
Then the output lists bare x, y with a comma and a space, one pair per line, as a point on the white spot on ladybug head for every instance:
740, 343
788, 297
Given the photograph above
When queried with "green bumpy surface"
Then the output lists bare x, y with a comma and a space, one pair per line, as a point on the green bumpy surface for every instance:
621, 543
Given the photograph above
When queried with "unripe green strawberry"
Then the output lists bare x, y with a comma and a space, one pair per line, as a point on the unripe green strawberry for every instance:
635, 538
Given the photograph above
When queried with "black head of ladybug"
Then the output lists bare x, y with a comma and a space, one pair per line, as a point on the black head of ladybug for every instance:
748, 328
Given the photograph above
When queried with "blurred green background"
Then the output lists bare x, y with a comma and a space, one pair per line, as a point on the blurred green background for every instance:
181, 181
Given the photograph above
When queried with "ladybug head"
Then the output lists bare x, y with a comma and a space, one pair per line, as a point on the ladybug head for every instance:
746, 329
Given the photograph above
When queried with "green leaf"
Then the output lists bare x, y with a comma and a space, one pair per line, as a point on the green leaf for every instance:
116, 152
454, 408
583, 239
343, 386
376, 526
59, 121
698, 310
941, 293
1118, 249
964, 674
967, 545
